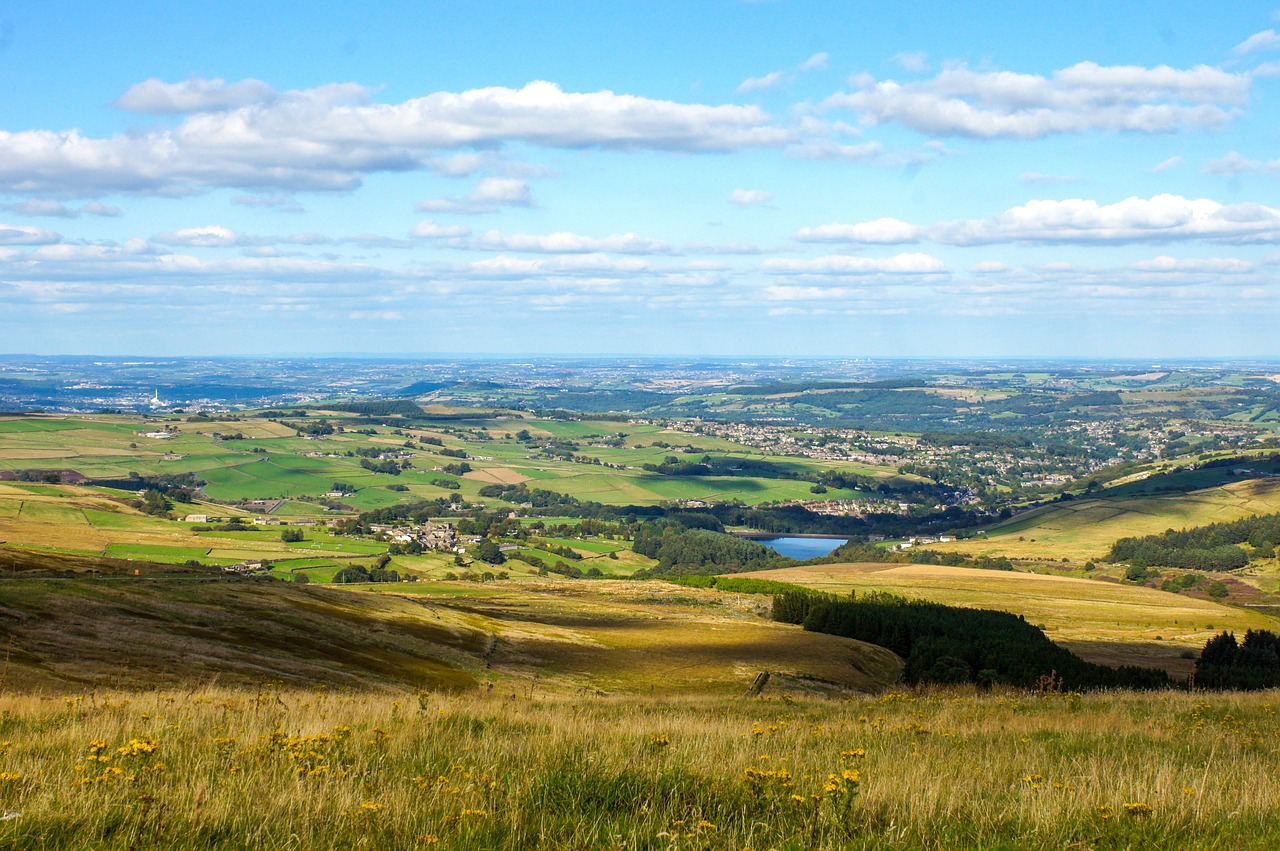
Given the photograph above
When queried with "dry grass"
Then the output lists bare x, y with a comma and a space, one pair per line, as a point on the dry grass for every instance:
268, 768
604, 636
1086, 529
1102, 621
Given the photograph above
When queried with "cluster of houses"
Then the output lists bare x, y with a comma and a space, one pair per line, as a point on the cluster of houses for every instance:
923, 541
430, 536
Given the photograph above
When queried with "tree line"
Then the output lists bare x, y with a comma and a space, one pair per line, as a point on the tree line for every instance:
1211, 547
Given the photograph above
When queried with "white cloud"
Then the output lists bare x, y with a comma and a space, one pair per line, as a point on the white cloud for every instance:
750, 197
96, 208
1162, 218
329, 138
1165, 165
488, 196
913, 60
566, 243
157, 97
428, 229
1086, 96
41, 207
844, 264
25, 235
209, 236
829, 149
815, 62
1265, 40
879, 232
988, 267
1157, 219
1233, 164
1209, 265
755, 84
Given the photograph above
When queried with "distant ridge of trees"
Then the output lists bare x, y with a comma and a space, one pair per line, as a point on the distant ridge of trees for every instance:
773, 388
376, 408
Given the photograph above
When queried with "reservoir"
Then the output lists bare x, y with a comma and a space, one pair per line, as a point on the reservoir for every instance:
802, 548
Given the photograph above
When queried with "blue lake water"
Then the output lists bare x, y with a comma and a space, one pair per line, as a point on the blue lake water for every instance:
802, 548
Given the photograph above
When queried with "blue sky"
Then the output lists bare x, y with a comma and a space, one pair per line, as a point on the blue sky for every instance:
721, 178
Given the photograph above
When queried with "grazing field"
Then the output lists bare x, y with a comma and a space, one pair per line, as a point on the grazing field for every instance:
518, 768
1102, 621
272, 462
1085, 529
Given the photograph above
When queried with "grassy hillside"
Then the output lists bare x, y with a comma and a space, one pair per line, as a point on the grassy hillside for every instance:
220, 768
1085, 529
1102, 621
607, 636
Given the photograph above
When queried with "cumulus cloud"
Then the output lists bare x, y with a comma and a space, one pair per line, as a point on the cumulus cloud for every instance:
844, 264
209, 236
41, 207
329, 138
1265, 40
885, 231
750, 197
96, 208
755, 84
1162, 218
25, 235
156, 97
1004, 104
488, 196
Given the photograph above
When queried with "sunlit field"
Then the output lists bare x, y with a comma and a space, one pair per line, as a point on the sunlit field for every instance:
516, 768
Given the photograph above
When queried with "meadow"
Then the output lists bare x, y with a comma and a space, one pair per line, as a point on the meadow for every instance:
274, 767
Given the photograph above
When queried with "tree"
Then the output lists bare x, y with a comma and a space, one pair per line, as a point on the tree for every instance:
291, 536
153, 502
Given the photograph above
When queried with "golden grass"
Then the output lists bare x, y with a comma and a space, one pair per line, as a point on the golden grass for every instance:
1102, 621
606, 636
274, 768
1085, 529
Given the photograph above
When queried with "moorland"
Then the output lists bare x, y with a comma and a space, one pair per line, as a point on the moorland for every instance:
447, 609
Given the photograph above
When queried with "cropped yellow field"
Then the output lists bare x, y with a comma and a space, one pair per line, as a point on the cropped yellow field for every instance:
1085, 529
1102, 621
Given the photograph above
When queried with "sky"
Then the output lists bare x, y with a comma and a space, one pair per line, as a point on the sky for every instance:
722, 178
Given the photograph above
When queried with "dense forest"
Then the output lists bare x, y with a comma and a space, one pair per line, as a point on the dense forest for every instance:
1212, 547
947, 644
